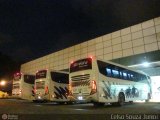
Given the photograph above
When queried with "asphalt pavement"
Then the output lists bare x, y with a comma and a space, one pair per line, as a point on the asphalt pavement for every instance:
17, 109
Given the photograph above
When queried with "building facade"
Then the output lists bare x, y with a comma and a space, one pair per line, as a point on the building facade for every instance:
128, 46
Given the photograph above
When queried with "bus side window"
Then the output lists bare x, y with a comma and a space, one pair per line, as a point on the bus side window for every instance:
29, 79
60, 77
140, 77
144, 78
125, 75
108, 71
120, 75
132, 77
115, 73
137, 77
129, 76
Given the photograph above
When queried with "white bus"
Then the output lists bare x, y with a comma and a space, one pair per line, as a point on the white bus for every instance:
23, 85
100, 82
51, 85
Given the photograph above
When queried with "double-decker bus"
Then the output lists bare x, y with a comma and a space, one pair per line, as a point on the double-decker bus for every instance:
52, 85
99, 81
23, 85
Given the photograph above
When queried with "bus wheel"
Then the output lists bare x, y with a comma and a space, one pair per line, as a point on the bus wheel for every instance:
97, 104
35, 101
70, 103
61, 103
146, 101
121, 99
131, 102
148, 98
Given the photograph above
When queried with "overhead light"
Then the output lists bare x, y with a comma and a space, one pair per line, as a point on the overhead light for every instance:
145, 64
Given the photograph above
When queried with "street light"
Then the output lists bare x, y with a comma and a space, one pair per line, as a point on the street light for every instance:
2, 83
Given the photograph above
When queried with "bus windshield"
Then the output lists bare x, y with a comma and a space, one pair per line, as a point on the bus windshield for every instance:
83, 64
17, 77
29, 79
41, 74
60, 77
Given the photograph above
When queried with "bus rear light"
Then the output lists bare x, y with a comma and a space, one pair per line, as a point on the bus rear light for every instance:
46, 90
91, 57
34, 90
70, 89
71, 62
93, 87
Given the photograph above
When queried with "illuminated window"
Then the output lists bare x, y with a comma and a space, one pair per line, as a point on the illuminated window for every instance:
115, 73
108, 70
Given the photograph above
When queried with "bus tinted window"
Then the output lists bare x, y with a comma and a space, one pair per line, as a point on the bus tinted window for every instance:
83, 64
60, 77
120, 75
124, 75
129, 76
29, 79
109, 73
41, 74
132, 77
115, 73
17, 76
111, 70
104, 68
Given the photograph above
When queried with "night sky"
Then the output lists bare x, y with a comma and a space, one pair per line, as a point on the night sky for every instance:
33, 28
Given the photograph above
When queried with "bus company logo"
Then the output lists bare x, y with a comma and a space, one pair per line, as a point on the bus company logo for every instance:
41, 74
61, 92
81, 63
4, 117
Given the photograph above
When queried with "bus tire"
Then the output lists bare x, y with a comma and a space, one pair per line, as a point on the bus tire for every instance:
70, 103
148, 98
61, 103
121, 99
97, 104
131, 102
35, 101
146, 101
114, 104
